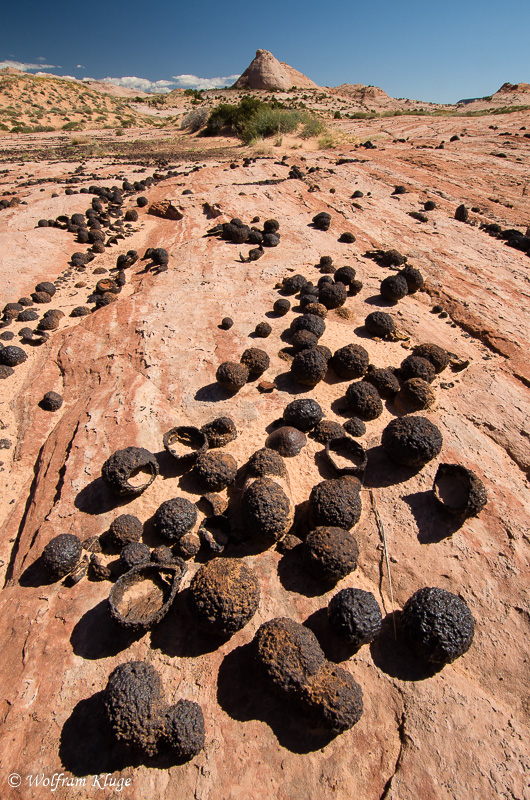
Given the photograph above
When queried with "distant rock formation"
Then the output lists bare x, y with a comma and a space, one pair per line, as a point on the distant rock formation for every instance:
266, 72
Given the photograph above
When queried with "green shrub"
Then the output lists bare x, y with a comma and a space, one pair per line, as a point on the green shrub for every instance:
195, 120
72, 126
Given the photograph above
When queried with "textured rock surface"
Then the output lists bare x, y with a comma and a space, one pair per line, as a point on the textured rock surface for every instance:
266, 72
135, 368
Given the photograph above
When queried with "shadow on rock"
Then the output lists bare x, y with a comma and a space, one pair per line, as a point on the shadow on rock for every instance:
334, 649
213, 393
434, 524
96, 498
244, 699
379, 301
285, 383
294, 576
178, 634
392, 655
36, 575
381, 471
87, 746
97, 635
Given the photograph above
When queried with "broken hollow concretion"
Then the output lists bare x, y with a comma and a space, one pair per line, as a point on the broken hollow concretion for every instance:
138, 715
142, 596
131, 464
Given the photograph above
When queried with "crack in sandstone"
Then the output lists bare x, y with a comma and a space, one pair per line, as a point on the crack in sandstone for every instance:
402, 740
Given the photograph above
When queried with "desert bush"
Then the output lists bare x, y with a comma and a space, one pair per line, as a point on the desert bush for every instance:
195, 120
314, 126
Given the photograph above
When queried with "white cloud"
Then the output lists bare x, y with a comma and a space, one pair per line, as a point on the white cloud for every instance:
41, 59
80, 66
194, 82
131, 82
26, 67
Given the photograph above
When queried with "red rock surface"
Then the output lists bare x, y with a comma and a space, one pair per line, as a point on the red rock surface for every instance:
134, 369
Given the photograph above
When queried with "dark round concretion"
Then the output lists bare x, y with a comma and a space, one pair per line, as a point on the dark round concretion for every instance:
322, 221
459, 491
281, 306
345, 275
324, 280
380, 324
262, 330
437, 624
354, 426
303, 340
133, 700
185, 443
125, 529
330, 553
417, 394
266, 462
271, 226
438, 357
131, 215
294, 284
325, 351
325, 430
5, 371
332, 295
303, 414
134, 554
232, 376
46, 286
417, 367
355, 616
174, 518
12, 309
383, 380
347, 237
220, 431
256, 360
335, 503
332, 699
226, 323
27, 316
413, 277
62, 555
412, 441
224, 595
12, 355
462, 214
48, 324
215, 471
309, 367
346, 456
287, 654
394, 288
141, 201
266, 510
80, 311
287, 441
270, 240
314, 307
122, 465
183, 730
51, 401
364, 400
308, 322
162, 555
350, 361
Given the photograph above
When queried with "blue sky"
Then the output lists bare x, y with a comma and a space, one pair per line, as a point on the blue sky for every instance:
438, 51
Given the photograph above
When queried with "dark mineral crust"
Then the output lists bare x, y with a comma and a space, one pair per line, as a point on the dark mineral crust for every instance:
412, 441
336, 503
62, 555
437, 624
459, 491
224, 595
215, 471
330, 553
266, 510
354, 615
123, 465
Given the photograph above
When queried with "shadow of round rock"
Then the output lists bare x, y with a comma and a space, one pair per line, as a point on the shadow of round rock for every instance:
96, 635
37, 575
244, 696
434, 524
381, 471
334, 648
295, 577
87, 746
392, 655
178, 634
96, 498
